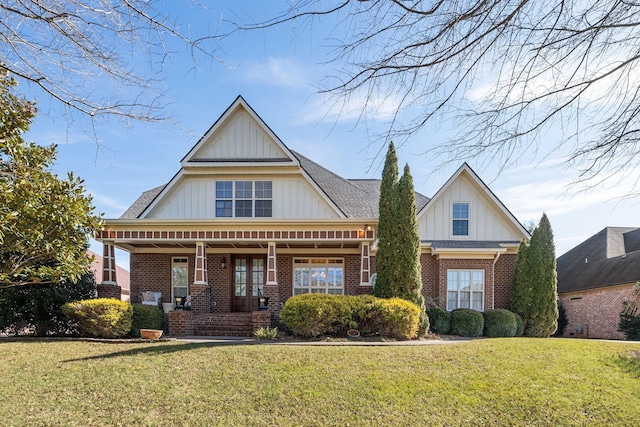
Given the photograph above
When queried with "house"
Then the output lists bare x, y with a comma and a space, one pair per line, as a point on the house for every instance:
595, 278
246, 223
121, 274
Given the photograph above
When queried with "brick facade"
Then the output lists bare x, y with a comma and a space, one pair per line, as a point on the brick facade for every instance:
109, 291
152, 272
595, 313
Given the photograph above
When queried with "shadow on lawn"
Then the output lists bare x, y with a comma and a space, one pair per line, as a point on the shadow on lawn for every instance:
166, 348
629, 363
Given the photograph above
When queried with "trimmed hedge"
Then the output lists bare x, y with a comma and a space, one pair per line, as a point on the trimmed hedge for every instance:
145, 317
499, 323
311, 315
519, 325
439, 320
100, 318
466, 322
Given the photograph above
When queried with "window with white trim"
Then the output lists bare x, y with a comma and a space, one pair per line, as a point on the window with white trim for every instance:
179, 278
460, 216
244, 199
465, 289
318, 276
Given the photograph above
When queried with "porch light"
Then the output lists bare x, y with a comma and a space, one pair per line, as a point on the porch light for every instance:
223, 264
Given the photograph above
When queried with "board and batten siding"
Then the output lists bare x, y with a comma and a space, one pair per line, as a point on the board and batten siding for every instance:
485, 221
194, 198
241, 138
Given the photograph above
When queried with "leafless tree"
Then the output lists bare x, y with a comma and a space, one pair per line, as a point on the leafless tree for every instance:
96, 57
509, 69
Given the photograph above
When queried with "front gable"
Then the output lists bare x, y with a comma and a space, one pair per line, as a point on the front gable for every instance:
240, 147
487, 218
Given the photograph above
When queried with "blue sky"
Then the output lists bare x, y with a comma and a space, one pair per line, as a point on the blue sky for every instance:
278, 72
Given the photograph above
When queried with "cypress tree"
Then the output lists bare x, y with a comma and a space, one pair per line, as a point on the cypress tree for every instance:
386, 264
541, 255
535, 286
521, 291
410, 282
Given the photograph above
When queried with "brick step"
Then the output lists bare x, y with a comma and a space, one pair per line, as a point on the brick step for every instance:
223, 332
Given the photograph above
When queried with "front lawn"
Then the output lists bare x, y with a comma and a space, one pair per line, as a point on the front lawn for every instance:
513, 381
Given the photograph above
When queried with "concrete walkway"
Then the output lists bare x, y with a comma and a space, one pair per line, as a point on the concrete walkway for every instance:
248, 340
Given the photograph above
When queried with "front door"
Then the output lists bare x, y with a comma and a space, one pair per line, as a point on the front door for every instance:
248, 282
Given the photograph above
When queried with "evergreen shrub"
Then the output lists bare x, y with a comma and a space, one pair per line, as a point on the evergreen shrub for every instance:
312, 315
519, 325
499, 323
145, 317
466, 322
440, 320
630, 326
100, 318
400, 318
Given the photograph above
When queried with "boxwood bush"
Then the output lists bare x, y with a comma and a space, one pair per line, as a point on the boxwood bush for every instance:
311, 315
439, 320
519, 325
499, 323
100, 318
466, 322
145, 317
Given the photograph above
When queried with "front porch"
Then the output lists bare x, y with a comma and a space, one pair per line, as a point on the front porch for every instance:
185, 323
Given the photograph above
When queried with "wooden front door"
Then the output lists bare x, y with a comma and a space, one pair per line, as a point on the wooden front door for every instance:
248, 282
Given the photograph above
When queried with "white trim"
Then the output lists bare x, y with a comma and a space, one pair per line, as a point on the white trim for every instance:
471, 291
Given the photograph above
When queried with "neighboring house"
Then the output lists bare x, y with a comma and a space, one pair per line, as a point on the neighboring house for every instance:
121, 274
595, 278
246, 218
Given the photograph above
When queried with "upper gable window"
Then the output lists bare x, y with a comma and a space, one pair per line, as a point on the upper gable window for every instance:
461, 219
244, 199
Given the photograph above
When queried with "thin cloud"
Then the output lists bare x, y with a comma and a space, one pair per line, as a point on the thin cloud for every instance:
278, 72
108, 205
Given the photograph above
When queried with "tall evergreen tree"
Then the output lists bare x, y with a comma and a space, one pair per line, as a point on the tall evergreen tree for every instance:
387, 267
521, 291
410, 284
535, 293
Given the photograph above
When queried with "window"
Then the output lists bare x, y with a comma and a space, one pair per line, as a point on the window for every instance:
465, 289
179, 278
318, 276
244, 199
461, 219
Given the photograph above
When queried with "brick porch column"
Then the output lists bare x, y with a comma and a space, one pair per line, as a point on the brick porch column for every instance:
271, 288
109, 288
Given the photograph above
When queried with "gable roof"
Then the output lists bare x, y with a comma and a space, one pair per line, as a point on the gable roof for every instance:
608, 258
141, 203
466, 169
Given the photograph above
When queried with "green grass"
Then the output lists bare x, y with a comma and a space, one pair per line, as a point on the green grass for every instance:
482, 382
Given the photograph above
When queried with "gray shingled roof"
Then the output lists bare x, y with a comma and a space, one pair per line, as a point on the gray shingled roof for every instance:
467, 244
608, 258
141, 203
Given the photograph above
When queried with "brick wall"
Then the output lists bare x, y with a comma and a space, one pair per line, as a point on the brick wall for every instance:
220, 281
109, 291
150, 272
503, 277
596, 311
430, 279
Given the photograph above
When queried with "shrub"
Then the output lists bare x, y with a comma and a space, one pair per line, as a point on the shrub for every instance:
101, 318
440, 320
519, 325
563, 321
499, 323
36, 309
466, 322
145, 317
310, 315
630, 326
266, 333
400, 318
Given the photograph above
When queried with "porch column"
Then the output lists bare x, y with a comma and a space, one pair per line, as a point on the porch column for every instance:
200, 275
365, 264
271, 288
271, 264
109, 288
109, 264
199, 293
